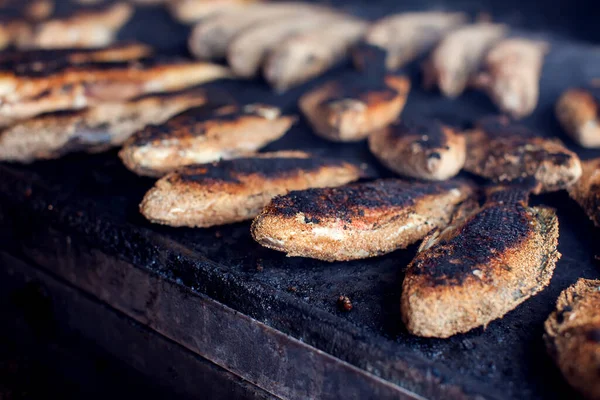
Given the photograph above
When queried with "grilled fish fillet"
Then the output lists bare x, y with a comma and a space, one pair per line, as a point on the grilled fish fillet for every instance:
200, 136
573, 336
578, 111
406, 36
27, 92
458, 57
420, 149
94, 129
85, 28
503, 152
586, 191
40, 61
350, 112
211, 38
481, 266
236, 190
357, 221
190, 11
511, 75
247, 52
302, 57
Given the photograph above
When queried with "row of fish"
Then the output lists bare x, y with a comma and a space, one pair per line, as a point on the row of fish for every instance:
294, 42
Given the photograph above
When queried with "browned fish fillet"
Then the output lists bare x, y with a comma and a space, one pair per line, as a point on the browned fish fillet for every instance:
27, 92
85, 28
511, 75
236, 190
94, 129
350, 112
357, 221
190, 11
586, 191
247, 52
210, 39
503, 152
481, 266
420, 149
573, 336
406, 36
302, 57
459, 55
578, 111
40, 61
201, 136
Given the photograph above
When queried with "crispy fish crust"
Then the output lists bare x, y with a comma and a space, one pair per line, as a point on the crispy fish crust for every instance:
578, 111
458, 56
93, 130
26, 91
357, 221
202, 136
504, 152
573, 336
236, 190
190, 11
302, 57
85, 28
481, 266
586, 191
405, 36
511, 75
211, 38
420, 149
247, 52
347, 113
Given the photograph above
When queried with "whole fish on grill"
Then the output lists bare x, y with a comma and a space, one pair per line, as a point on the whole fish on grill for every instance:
481, 266
349, 111
578, 111
458, 56
85, 27
405, 36
236, 190
211, 38
248, 51
359, 220
586, 191
302, 57
503, 151
200, 136
95, 129
511, 75
420, 148
572, 336
28, 89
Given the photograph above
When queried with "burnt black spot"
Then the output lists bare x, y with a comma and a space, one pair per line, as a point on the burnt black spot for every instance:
311, 220
350, 201
429, 133
487, 234
269, 168
560, 316
361, 89
593, 335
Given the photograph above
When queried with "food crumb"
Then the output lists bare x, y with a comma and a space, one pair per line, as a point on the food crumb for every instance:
344, 303
259, 266
292, 289
218, 234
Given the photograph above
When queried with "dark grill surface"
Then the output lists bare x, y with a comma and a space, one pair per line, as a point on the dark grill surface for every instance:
98, 198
